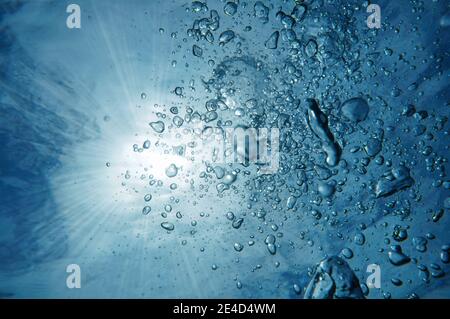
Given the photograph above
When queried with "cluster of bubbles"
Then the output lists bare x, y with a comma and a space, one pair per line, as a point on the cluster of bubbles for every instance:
347, 157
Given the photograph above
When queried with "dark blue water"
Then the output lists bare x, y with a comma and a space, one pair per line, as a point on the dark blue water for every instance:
101, 130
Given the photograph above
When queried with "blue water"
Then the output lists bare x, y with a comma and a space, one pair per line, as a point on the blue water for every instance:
75, 108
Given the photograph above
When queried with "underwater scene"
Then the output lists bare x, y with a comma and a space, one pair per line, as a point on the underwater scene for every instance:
292, 149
